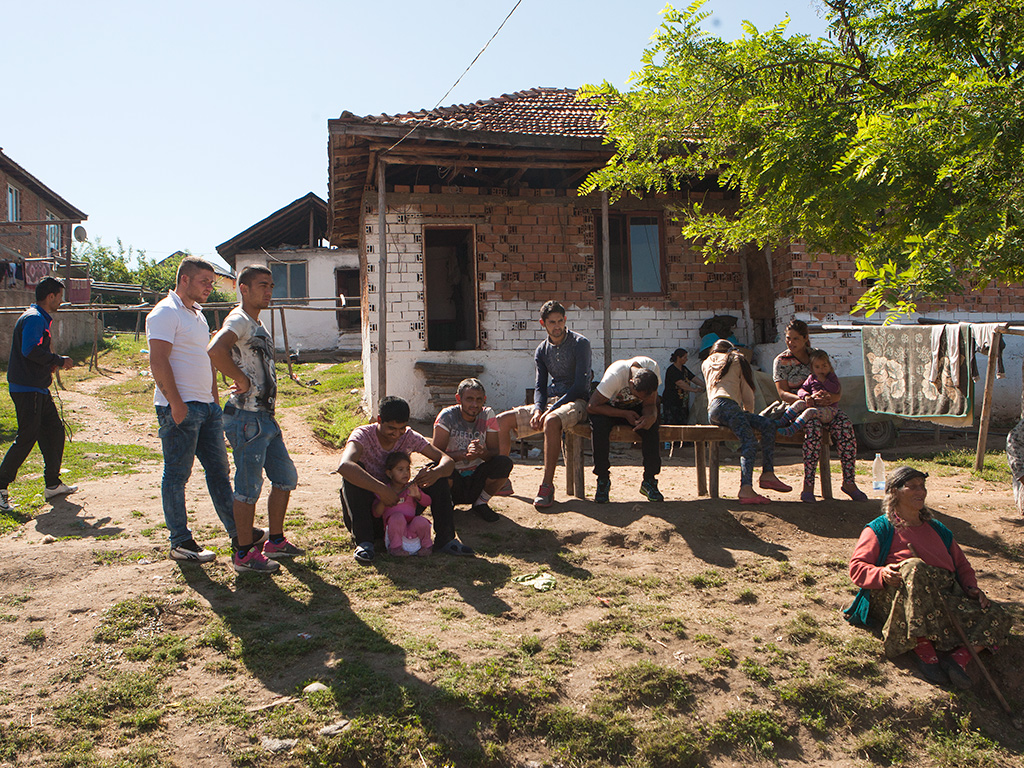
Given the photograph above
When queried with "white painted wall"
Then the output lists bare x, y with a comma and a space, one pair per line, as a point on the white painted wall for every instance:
309, 330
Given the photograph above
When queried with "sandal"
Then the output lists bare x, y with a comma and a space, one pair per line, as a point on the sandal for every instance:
775, 485
364, 553
856, 494
457, 548
756, 499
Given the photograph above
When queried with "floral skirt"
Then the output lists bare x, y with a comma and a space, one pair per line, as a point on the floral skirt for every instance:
914, 608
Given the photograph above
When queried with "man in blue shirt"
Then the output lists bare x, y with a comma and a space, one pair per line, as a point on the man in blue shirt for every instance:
29, 373
564, 356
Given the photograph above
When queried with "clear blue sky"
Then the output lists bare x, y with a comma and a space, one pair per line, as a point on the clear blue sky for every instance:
178, 125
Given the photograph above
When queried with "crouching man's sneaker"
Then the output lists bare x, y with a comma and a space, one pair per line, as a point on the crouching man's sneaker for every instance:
284, 549
5, 501
253, 561
189, 550
61, 489
649, 488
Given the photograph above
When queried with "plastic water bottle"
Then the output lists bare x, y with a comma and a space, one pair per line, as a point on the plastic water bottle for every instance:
878, 470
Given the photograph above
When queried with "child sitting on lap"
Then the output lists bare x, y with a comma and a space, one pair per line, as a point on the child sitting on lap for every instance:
818, 395
405, 532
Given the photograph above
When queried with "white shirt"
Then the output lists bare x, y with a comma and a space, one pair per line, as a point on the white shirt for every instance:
188, 333
615, 382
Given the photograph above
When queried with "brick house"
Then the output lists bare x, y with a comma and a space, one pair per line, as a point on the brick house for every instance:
483, 225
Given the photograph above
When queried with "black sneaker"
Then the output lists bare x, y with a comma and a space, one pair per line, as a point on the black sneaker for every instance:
485, 513
933, 673
604, 485
189, 550
958, 676
259, 538
364, 553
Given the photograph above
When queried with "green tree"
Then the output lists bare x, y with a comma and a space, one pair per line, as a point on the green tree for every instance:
897, 139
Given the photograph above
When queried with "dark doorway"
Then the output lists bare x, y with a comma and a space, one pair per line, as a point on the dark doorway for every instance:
449, 278
346, 283
761, 295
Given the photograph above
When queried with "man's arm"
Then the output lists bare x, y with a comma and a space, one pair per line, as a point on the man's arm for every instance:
219, 351
600, 404
355, 474
163, 376
31, 335
444, 467
440, 440
649, 413
540, 387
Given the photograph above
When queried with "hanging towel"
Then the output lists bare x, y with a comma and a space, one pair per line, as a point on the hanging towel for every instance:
898, 367
983, 335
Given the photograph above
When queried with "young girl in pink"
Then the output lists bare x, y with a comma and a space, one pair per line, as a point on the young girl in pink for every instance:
818, 395
405, 532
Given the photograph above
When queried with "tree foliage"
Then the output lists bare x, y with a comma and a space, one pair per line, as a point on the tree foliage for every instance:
897, 139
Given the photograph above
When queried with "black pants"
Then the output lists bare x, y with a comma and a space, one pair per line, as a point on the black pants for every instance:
357, 510
466, 489
601, 426
38, 422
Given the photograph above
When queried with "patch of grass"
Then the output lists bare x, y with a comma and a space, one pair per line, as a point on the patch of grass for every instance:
582, 738
756, 671
755, 730
391, 741
648, 685
995, 466
130, 701
672, 744
34, 638
675, 627
747, 596
766, 570
963, 747
823, 700
723, 657
802, 628
883, 746
707, 580
333, 418
122, 620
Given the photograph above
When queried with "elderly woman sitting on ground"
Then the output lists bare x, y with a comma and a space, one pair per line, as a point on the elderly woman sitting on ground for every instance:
915, 578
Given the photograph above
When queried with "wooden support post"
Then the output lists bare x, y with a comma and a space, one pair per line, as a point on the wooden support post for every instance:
700, 449
713, 480
606, 280
986, 400
825, 464
287, 348
382, 281
574, 465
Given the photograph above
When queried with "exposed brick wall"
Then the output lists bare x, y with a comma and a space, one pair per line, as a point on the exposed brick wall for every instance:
33, 242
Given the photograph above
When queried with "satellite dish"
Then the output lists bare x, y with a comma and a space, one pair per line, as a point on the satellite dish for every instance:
80, 234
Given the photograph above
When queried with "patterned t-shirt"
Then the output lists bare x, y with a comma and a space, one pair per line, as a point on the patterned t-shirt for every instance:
461, 432
374, 456
789, 369
253, 352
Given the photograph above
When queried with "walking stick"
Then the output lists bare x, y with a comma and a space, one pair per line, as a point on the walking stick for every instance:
974, 655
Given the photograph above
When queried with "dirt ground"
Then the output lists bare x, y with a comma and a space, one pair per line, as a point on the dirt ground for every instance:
69, 590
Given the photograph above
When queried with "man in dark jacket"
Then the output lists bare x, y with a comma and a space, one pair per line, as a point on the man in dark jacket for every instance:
29, 373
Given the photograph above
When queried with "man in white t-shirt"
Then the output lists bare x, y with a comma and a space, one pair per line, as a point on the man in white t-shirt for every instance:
186, 405
468, 432
244, 352
627, 394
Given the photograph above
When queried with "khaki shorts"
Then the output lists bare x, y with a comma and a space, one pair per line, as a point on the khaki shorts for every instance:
571, 414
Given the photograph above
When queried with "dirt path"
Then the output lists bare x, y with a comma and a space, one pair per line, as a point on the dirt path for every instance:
116, 549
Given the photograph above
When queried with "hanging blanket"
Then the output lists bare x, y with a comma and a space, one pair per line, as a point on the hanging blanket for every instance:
898, 368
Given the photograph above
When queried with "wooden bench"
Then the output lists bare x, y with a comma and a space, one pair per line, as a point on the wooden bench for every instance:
706, 439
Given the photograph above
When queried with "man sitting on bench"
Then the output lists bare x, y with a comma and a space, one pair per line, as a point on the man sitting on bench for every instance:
627, 394
564, 356
468, 432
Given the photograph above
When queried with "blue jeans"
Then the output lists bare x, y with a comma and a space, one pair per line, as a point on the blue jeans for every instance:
257, 445
200, 435
728, 413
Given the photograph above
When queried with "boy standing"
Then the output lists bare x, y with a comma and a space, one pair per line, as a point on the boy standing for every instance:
564, 356
29, 373
244, 352
468, 432
628, 393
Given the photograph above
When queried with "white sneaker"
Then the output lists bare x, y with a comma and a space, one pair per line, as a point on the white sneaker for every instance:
5, 502
189, 550
59, 490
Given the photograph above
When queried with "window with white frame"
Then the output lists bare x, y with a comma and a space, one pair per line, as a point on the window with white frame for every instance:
13, 203
52, 235
289, 279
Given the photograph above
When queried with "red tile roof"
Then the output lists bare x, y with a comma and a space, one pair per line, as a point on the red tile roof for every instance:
538, 111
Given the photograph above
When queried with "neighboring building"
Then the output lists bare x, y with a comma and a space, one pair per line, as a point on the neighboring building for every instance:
35, 236
484, 225
288, 241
